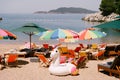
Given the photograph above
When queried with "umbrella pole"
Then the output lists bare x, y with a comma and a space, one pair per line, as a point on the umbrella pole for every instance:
30, 40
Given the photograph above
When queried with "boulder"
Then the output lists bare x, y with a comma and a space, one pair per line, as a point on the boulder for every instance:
97, 17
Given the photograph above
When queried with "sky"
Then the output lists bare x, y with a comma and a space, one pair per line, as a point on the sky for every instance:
31, 6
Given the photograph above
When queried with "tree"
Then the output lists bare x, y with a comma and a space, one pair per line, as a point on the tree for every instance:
109, 6
117, 3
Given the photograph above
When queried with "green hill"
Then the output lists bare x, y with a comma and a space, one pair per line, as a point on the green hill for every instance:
64, 10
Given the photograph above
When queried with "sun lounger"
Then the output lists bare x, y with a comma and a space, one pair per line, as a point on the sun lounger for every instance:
82, 46
94, 46
80, 62
77, 50
43, 60
112, 50
46, 46
98, 55
71, 53
64, 51
28, 52
10, 59
110, 66
102, 46
117, 48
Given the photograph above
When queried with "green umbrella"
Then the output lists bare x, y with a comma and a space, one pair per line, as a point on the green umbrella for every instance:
30, 29
111, 25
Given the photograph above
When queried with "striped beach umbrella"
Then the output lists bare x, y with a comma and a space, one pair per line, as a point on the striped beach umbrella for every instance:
59, 34
90, 34
5, 34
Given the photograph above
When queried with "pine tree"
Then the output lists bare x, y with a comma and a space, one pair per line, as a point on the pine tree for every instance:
109, 6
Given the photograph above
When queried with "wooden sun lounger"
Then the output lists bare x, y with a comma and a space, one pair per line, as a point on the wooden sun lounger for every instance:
105, 68
111, 67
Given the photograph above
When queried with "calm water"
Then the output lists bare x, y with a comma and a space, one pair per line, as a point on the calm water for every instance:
52, 21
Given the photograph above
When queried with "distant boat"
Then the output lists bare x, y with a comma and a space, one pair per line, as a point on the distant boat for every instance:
1, 18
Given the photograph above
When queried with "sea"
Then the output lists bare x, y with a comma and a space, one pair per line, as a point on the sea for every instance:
53, 21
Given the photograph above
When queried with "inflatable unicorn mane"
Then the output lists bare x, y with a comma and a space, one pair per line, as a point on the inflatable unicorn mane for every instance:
56, 68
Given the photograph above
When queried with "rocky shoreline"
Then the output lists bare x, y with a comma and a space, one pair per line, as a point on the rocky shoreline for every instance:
97, 17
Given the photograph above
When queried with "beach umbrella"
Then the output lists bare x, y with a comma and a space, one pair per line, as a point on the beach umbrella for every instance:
62, 35
5, 34
72, 40
89, 34
68, 41
30, 29
115, 24
59, 34
42, 33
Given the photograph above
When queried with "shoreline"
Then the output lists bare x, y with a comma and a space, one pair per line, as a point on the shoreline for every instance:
5, 46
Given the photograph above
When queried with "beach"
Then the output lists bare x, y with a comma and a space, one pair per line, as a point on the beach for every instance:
16, 14
31, 70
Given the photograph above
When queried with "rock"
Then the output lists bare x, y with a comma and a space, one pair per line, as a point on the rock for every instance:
97, 17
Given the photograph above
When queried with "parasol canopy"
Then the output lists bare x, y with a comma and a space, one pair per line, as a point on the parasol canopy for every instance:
30, 29
59, 34
90, 34
5, 34
115, 24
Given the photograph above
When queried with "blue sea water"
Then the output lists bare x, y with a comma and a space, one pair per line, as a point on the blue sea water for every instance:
52, 21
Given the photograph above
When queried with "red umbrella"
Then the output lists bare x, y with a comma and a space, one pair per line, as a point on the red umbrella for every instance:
5, 34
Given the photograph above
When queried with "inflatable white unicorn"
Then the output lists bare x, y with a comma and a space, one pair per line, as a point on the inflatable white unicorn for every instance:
56, 68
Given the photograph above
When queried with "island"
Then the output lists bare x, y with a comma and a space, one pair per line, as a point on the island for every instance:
65, 10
